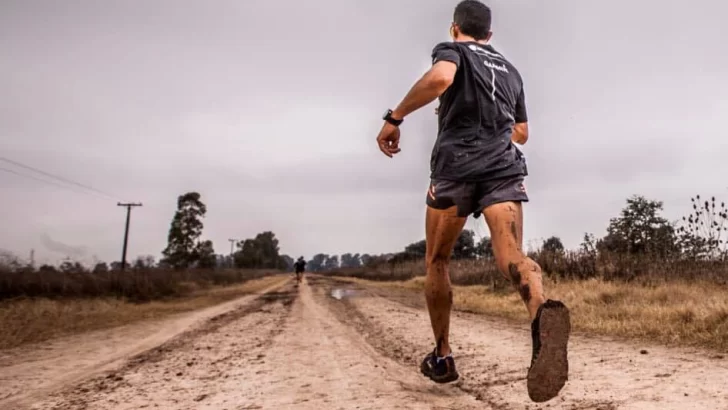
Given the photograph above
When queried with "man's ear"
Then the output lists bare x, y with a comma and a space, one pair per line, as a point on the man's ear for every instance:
454, 31
490, 34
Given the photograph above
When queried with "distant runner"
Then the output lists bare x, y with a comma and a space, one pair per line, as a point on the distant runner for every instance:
300, 267
476, 168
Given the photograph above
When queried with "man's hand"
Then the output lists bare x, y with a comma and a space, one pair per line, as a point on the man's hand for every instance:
435, 82
520, 133
388, 139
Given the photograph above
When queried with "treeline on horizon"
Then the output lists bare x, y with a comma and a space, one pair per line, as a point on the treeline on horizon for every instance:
188, 263
185, 249
639, 242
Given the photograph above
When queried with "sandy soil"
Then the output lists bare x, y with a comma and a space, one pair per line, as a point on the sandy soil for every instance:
301, 348
32, 372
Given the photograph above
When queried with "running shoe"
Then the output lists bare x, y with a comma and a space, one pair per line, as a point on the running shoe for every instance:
439, 369
549, 369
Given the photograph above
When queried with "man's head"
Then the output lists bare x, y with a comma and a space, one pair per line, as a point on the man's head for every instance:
471, 20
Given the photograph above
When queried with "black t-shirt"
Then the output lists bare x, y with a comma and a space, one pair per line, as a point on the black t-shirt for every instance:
476, 116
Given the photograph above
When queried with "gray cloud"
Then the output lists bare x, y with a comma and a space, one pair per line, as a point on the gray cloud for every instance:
77, 252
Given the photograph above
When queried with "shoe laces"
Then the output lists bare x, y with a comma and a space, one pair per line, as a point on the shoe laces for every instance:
439, 359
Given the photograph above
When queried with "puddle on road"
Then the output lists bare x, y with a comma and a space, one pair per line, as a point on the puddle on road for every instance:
339, 293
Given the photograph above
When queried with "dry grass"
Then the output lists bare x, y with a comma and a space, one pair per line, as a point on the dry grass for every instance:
34, 320
570, 265
672, 313
462, 272
139, 285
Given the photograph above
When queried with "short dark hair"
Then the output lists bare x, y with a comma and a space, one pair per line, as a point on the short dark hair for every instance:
473, 18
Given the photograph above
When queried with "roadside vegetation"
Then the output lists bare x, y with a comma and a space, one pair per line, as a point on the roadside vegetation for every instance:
39, 303
646, 278
675, 313
33, 320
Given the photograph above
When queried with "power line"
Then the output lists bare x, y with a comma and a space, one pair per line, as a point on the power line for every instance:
59, 178
45, 181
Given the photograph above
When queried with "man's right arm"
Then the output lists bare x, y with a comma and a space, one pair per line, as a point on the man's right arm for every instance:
520, 129
520, 133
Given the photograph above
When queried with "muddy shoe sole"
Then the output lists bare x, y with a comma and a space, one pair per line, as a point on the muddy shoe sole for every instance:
549, 373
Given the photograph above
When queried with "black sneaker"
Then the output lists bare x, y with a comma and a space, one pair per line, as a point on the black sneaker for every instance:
439, 369
549, 369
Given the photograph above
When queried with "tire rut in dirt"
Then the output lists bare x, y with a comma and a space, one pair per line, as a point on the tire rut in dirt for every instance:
286, 297
187, 345
474, 380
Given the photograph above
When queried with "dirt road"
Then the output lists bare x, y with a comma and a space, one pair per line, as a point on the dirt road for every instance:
330, 345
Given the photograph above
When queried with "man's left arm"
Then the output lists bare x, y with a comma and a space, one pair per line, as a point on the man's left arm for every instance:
520, 129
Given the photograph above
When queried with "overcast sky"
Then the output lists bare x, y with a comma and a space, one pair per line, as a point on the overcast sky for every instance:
269, 109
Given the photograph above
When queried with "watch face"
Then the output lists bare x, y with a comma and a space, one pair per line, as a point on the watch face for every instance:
386, 113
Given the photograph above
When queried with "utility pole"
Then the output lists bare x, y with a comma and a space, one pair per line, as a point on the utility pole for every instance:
126, 231
232, 246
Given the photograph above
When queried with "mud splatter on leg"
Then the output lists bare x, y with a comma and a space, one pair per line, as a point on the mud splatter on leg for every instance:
525, 292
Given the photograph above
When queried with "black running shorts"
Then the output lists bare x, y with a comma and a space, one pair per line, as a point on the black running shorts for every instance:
473, 197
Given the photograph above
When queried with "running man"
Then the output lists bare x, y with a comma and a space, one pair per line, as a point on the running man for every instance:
477, 169
299, 266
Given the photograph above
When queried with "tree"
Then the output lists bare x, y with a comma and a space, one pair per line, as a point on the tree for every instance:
639, 229
185, 231
287, 262
144, 262
268, 249
245, 256
223, 261
204, 255
374, 261
412, 252
416, 250
553, 245
45, 268
465, 245
464, 249
261, 252
101, 267
71, 267
332, 262
702, 234
316, 264
9, 262
589, 244
350, 261
366, 259
484, 249
345, 260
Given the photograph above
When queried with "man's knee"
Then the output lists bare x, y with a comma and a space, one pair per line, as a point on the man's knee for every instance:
438, 262
438, 255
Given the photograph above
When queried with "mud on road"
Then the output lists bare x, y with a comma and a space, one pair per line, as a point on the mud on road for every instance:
332, 345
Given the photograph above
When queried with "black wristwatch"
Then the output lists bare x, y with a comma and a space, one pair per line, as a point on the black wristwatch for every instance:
388, 117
